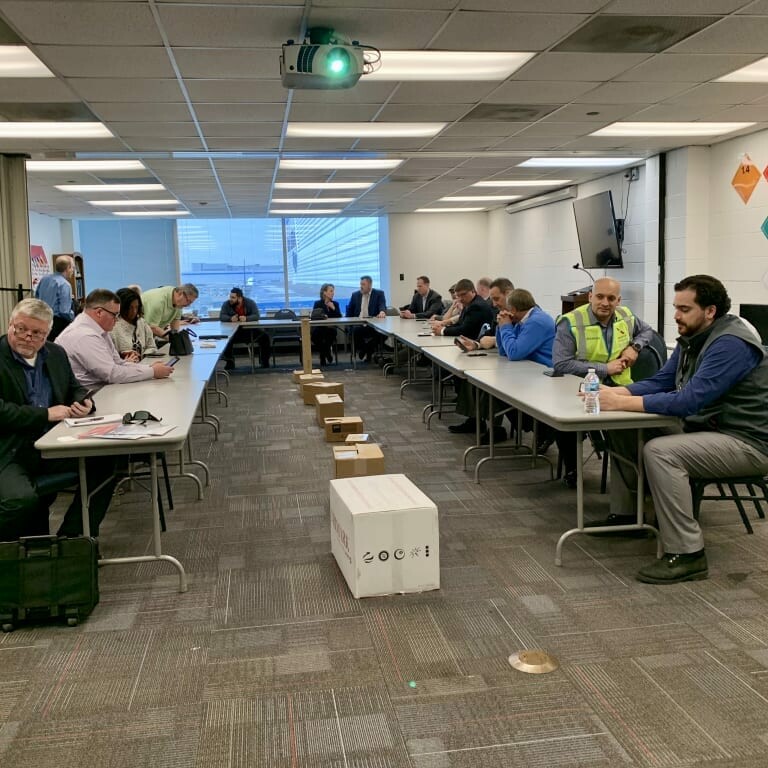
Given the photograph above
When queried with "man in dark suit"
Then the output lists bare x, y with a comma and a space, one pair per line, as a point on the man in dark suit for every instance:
37, 390
367, 302
425, 302
473, 317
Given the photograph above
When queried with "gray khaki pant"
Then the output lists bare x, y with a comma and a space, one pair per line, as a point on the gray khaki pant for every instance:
671, 457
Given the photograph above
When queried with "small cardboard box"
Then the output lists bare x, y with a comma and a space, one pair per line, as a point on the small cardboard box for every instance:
328, 406
358, 460
359, 438
311, 388
298, 373
306, 378
338, 427
384, 535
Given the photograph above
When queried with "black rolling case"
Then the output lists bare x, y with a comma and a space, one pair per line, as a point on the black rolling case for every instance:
44, 577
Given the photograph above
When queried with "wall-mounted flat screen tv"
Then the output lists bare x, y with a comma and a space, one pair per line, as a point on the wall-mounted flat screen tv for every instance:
757, 314
596, 227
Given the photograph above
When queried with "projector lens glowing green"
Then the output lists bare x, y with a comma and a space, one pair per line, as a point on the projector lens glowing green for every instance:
338, 62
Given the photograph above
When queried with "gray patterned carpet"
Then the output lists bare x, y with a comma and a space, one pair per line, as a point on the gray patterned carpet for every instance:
269, 661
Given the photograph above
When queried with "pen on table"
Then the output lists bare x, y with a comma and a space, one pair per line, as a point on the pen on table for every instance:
89, 421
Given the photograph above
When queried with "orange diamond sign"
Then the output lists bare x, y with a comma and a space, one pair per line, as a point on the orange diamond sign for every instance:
745, 179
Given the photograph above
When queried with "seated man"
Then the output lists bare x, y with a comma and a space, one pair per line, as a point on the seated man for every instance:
241, 309
367, 302
91, 351
500, 288
475, 314
716, 383
602, 335
162, 306
37, 390
425, 302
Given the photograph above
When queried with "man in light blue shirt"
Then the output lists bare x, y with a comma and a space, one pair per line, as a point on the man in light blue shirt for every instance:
56, 291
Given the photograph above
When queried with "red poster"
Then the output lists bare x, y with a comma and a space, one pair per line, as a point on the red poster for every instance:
39, 266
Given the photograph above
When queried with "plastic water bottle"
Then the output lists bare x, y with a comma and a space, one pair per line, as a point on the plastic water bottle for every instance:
591, 389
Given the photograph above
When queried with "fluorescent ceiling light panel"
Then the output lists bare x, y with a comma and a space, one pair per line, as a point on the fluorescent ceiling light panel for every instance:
447, 65
310, 200
522, 183
19, 61
479, 198
339, 164
150, 213
669, 129
169, 201
111, 188
363, 130
447, 210
335, 185
305, 212
54, 130
85, 165
757, 72
579, 162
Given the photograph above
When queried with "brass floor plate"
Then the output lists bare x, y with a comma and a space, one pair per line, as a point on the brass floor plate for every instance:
535, 662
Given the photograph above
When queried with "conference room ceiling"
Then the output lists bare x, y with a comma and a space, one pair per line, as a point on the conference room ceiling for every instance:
202, 76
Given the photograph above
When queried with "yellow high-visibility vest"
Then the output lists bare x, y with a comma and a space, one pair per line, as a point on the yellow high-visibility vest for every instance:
590, 343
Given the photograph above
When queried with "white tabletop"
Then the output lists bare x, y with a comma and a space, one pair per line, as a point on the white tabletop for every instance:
173, 400
555, 400
459, 363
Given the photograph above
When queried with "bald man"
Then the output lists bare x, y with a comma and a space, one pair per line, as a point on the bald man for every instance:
603, 335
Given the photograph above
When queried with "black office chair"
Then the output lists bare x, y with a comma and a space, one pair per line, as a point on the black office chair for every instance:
285, 337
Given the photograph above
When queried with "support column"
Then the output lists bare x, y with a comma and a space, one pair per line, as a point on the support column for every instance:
14, 232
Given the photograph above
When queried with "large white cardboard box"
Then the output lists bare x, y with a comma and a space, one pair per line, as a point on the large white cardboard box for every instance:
384, 535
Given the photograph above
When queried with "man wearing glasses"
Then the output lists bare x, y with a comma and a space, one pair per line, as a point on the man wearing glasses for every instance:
162, 306
90, 348
37, 390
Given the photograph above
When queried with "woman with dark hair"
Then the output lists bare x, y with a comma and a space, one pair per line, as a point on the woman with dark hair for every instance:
132, 335
323, 337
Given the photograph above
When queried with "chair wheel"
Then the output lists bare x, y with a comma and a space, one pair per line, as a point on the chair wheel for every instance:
7, 626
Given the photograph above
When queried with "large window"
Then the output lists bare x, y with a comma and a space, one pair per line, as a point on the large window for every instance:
280, 262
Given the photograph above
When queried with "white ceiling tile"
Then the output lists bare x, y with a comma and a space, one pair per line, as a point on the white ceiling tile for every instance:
450, 93
686, 67
227, 63
233, 130
636, 93
483, 31
579, 66
115, 62
365, 92
241, 91
478, 128
226, 26
242, 145
140, 111
238, 113
83, 23
25, 89
732, 35
537, 6
721, 93
605, 113
303, 113
680, 7
539, 92
180, 130
163, 143
95, 88
419, 113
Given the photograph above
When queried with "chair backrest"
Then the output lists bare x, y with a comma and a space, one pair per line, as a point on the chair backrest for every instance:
392, 311
284, 314
651, 359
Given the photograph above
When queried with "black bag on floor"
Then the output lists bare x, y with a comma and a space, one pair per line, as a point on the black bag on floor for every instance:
180, 342
45, 577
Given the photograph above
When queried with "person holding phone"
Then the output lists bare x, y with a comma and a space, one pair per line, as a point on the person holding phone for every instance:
37, 390
91, 351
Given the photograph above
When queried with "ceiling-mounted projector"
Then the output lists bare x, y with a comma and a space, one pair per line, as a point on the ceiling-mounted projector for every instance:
323, 61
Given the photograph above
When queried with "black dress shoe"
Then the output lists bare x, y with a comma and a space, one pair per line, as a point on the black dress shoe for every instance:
570, 480
672, 569
499, 436
229, 365
544, 445
466, 427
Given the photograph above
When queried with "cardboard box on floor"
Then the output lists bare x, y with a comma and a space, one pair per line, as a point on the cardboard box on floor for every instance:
384, 535
311, 388
358, 460
328, 406
338, 427
306, 378
297, 374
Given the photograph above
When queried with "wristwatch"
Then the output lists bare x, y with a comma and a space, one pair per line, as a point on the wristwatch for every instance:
636, 346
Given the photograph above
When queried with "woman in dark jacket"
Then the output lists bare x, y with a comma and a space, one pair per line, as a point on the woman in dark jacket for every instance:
324, 336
